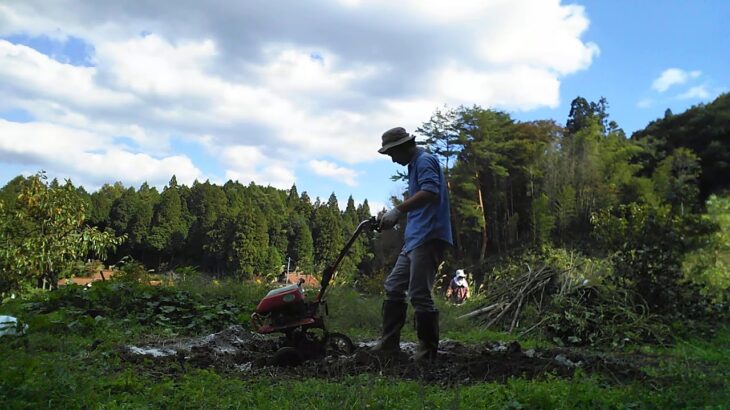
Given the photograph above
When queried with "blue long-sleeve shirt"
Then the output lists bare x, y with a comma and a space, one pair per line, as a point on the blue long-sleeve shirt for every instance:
432, 221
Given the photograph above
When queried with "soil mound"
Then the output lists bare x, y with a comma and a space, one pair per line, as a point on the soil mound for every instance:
249, 354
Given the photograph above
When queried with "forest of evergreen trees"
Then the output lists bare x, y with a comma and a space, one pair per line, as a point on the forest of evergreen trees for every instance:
515, 186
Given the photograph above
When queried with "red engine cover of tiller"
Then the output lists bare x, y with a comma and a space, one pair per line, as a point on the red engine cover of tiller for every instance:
280, 297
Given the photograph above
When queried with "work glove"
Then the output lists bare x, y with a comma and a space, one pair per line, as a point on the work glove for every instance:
390, 218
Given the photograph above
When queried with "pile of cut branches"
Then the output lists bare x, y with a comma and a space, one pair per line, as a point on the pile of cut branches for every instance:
507, 298
570, 310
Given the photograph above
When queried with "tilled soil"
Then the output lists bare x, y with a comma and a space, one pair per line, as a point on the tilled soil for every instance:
236, 350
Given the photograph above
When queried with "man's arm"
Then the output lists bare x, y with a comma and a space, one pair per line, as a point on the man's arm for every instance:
418, 200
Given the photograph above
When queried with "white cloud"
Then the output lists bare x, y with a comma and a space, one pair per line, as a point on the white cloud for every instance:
152, 66
645, 103
88, 158
673, 76
293, 70
698, 92
317, 82
249, 164
537, 34
278, 176
331, 170
532, 87
24, 71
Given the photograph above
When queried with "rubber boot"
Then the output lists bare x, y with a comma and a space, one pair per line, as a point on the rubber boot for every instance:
394, 317
427, 329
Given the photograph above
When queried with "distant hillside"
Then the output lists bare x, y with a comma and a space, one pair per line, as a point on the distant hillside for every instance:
705, 129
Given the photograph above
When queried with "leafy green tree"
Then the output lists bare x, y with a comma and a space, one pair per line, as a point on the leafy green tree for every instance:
11, 190
702, 129
45, 232
292, 199
305, 207
583, 114
250, 246
676, 180
349, 267
140, 220
327, 235
443, 140
363, 210
493, 174
647, 245
565, 205
217, 244
207, 203
170, 223
333, 204
442, 136
122, 210
709, 265
542, 220
481, 165
301, 246
272, 204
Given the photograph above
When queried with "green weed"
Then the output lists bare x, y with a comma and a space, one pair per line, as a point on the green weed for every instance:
69, 359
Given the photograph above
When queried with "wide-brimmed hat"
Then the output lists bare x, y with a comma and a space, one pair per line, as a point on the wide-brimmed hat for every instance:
460, 273
394, 137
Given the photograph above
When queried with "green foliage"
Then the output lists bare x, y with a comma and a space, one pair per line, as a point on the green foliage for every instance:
647, 246
709, 264
301, 247
169, 310
70, 359
170, 223
45, 232
250, 245
442, 138
676, 180
542, 220
701, 129
600, 316
102, 202
516, 188
584, 114
327, 234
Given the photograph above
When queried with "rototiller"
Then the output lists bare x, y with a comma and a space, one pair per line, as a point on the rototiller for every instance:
285, 310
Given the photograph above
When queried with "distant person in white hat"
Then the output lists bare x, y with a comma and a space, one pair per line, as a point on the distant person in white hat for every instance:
458, 290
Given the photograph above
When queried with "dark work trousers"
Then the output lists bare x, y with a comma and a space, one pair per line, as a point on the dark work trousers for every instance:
414, 272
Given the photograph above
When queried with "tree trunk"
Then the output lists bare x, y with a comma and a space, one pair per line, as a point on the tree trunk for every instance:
483, 251
53, 277
456, 227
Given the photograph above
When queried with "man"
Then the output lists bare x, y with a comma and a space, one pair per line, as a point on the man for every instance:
458, 290
427, 234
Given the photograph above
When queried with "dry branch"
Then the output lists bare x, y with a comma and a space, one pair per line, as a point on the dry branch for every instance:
509, 297
481, 311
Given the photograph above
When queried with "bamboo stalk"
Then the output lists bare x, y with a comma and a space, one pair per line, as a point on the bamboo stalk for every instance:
517, 313
480, 311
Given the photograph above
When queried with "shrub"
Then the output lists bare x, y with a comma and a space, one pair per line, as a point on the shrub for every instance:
647, 245
597, 315
168, 309
709, 265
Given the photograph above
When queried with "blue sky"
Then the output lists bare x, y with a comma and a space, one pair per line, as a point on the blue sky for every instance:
100, 92
638, 41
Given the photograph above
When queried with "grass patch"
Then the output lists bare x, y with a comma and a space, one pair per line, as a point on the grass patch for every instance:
69, 359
